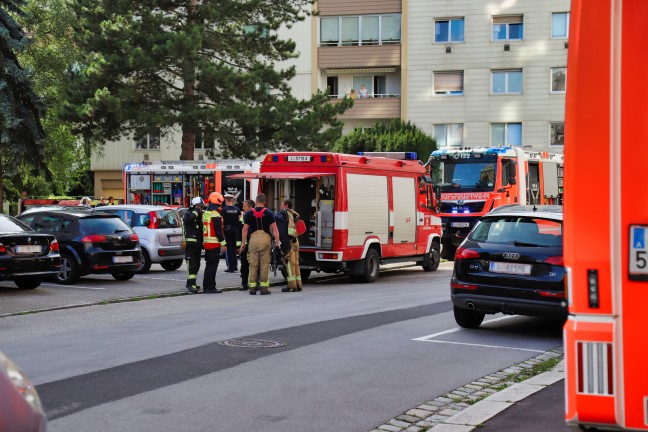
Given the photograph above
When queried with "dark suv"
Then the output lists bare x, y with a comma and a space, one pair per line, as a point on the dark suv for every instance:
511, 262
89, 243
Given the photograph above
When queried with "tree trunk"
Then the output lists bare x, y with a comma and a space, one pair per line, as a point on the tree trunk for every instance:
1, 188
188, 132
188, 143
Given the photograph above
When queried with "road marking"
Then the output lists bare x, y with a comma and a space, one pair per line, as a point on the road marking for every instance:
72, 286
456, 329
485, 346
156, 278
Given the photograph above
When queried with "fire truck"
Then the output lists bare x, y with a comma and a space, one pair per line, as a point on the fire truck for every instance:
605, 248
176, 182
362, 211
470, 182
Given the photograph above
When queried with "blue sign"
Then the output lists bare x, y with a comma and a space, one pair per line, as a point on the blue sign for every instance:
639, 238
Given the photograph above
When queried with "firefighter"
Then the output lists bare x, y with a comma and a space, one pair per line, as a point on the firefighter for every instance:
259, 222
245, 265
292, 261
231, 216
213, 239
192, 241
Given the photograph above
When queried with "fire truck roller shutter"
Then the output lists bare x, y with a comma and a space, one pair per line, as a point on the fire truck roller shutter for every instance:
368, 212
404, 190
550, 174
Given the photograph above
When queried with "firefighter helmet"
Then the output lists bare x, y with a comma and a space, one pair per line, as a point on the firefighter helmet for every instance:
216, 198
197, 201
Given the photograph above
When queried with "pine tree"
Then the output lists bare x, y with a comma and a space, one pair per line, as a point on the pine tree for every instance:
199, 66
21, 132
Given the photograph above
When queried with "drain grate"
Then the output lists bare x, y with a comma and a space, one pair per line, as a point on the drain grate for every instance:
251, 343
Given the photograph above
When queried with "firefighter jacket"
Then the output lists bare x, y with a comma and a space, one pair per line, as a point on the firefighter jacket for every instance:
212, 228
192, 230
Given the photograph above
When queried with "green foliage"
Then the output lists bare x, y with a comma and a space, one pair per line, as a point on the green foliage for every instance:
396, 136
210, 66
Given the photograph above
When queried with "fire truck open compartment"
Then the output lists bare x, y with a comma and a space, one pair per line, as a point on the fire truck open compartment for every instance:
313, 198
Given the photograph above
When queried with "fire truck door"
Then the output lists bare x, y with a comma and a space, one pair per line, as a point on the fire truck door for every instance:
368, 212
404, 198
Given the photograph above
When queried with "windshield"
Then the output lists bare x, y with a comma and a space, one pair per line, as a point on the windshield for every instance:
464, 175
10, 225
520, 231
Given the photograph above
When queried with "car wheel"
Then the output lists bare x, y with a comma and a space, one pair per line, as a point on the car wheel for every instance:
370, 268
69, 271
146, 262
28, 283
432, 259
171, 265
123, 276
468, 318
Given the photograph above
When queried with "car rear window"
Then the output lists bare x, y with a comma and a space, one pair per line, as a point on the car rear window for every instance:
103, 225
169, 219
124, 215
9, 224
519, 230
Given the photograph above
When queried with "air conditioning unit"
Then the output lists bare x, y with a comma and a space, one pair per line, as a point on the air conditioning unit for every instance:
140, 182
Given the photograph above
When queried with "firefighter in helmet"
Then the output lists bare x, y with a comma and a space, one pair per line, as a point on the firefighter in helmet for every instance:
192, 241
213, 240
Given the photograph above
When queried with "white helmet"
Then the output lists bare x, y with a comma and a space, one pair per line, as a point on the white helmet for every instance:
197, 201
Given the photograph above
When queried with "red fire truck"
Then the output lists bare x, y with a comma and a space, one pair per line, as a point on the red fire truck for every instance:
362, 211
605, 251
472, 181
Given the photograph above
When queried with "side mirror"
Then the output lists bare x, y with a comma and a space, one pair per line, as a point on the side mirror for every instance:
512, 172
512, 180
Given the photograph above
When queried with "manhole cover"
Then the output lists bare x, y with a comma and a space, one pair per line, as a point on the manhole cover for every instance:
251, 343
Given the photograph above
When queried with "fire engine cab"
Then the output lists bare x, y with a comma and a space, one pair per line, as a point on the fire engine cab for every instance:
472, 181
362, 211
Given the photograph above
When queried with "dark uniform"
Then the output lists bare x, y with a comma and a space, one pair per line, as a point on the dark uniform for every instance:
213, 239
192, 235
231, 220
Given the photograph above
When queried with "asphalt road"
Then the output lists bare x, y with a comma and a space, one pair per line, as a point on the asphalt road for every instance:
351, 357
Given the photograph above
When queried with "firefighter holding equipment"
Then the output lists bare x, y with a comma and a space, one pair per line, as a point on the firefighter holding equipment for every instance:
192, 241
259, 222
213, 239
231, 217
292, 251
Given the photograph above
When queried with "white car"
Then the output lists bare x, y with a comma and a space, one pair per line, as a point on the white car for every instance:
159, 229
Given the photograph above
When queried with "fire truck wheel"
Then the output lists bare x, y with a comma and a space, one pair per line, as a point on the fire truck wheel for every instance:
468, 318
432, 259
146, 262
370, 268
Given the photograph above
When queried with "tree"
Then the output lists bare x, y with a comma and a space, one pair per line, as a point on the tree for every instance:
397, 136
199, 66
21, 133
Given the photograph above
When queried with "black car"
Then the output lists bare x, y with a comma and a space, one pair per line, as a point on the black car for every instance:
26, 257
511, 262
89, 243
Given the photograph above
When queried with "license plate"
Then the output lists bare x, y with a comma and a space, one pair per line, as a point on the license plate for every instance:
28, 249
122, 259
299, 158
460, 224
510, 268
175, 238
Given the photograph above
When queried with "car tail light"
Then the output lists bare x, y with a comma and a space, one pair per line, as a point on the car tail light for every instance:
153, 220
94, 238
463, 253
457, 285
552, 294
54, 246
3, 249
555, 260
134, 237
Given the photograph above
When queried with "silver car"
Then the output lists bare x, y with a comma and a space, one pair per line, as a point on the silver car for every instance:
159, 229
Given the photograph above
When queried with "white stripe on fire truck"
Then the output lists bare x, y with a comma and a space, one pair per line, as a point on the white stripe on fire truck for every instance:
341, 221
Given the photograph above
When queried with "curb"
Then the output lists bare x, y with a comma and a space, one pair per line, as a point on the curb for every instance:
470, 406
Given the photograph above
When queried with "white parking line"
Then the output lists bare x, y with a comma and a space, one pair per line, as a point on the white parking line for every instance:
72, 286
484, 346
428, 337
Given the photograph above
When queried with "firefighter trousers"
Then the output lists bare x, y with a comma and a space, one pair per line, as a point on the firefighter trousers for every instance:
192, 255
259, 259
212, 257
294, 274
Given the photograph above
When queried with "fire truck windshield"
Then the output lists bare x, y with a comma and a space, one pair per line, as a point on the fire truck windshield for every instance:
464, 175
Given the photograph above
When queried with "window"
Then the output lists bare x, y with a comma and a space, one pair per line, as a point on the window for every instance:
560, 25
49, 224
380, 86
508, 81
448, 83
205, 139
449, 134
506, 134
508, 28
557, 134
449, 30
332, 86
147, 141
360, 30
359, 81
558, 79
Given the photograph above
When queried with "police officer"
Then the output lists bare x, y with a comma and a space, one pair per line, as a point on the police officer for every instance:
192, 241
245, 265
231, 216
213, 239
259, 222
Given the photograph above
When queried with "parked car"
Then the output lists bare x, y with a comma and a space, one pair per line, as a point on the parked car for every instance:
89, 243
20, 407
511, 262
26, 257
159, 229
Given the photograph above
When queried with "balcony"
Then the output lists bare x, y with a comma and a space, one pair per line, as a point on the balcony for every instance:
358, 56
378, 107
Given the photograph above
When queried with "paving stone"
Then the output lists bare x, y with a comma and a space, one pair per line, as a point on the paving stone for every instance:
436, 403
409, 418
444, 400
426, 424
449, 412
399, 423
420, 413
463, 405
459, 393
437, 418
480, 394
390, 428
473, 387
413, 429
426, 407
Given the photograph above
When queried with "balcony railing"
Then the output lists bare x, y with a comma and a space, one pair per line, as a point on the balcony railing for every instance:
369, 96
369, 108
386, 55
